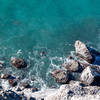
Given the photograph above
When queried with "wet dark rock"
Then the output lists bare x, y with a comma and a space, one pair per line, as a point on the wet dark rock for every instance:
12, 82
25, 85
32, 98
34, 89
42, 53
32, 78
0, 87
83, 52
90, 76
10, 95
18, 63
18, 89
61, 76
72, 65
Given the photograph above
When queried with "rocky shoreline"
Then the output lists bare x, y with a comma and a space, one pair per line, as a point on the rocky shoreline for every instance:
86, 65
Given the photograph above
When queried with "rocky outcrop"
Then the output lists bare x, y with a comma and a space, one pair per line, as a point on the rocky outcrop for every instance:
72, 91
75, 91
90, 76
83, 52
75, 65
18, 63
61, 76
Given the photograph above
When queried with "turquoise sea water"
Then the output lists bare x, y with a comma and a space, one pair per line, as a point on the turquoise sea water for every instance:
28, 27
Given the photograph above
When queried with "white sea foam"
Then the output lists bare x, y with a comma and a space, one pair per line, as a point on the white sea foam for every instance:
5, 84
19, 51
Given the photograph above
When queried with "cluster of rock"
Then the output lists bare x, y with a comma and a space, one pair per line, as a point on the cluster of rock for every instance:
13, 88
84, 64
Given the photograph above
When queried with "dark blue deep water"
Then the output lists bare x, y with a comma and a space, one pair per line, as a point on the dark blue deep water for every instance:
28, 27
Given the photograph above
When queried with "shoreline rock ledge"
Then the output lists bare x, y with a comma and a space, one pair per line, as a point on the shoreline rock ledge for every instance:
72, 91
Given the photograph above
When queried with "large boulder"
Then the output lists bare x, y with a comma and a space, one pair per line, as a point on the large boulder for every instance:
18, 63
60, 76
71, 65
83, 52
90, 76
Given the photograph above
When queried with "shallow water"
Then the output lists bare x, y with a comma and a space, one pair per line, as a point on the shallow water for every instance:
28, 27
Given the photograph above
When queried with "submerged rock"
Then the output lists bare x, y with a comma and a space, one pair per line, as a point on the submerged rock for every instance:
61, 76
90, 76
83, 52
18, 63
42, 53
71, 65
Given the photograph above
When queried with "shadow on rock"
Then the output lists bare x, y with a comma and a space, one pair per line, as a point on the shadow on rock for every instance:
96, 55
